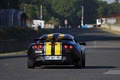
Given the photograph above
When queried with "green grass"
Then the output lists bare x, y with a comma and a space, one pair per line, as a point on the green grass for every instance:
111, 31
13, 53
16, 33
20, 33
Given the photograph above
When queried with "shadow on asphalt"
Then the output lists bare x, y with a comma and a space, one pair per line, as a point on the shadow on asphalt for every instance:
99, 67
72, 67
89, 34
97, 38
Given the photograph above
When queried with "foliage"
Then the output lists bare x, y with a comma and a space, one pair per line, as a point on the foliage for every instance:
67, 9
113, 8
91, 10
102, 9
16, 33
56, 11
54, 21
9, 4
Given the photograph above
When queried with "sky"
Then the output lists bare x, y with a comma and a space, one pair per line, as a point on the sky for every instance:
109, 1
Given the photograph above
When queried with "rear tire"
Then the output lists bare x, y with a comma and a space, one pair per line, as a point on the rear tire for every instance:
83, 62
30, 64
78, 64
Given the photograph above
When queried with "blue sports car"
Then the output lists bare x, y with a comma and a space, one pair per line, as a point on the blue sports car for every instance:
56, 49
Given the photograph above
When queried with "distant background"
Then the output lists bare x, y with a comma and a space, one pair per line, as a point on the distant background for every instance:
109, 1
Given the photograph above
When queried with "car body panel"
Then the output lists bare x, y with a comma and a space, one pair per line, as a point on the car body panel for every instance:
55, 48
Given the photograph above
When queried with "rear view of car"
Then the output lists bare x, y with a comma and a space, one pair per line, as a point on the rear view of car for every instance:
55, 49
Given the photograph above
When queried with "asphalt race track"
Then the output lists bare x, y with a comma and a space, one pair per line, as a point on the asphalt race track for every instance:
102, 60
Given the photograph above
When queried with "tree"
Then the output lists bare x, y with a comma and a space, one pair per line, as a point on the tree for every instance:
91, 13
117, 1
67, 9
113, 8
8, 4
56, 11
102, 9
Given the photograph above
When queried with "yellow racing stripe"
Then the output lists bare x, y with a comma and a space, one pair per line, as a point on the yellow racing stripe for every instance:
49, 37
57, 49
48, 48
60, 36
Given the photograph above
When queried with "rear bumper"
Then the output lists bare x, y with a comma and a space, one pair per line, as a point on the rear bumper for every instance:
66, 59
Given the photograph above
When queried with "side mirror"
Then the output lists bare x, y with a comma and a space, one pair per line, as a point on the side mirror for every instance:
82, 43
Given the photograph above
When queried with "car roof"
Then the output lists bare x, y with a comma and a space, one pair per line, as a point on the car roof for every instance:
56, 36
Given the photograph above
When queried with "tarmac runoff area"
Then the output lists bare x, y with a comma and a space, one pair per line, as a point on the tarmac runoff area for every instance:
112, 72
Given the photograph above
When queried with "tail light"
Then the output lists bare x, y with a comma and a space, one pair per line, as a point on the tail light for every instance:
65, 46
38, 46
71, 47
68, 47
35, 46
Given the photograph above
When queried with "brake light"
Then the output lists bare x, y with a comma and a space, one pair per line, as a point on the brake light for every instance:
65, 46
35, 46
71, 47
38, 46
68, 46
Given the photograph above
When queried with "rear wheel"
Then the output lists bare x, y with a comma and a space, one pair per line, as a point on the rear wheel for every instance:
78, 64
83, 62
30, 64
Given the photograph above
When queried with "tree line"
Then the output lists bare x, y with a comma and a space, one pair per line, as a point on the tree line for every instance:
56, 11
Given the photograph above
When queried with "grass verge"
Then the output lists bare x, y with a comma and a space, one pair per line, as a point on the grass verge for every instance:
13, 53
19, 33
111, 31
16, 33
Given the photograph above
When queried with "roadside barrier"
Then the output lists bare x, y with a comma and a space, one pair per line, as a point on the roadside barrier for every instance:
111, 27
14, 45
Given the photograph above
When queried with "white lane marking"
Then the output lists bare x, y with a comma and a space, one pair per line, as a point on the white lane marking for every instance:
113, 72
95, 44
102, 46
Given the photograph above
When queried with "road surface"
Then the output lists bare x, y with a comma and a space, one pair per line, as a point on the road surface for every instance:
102, 60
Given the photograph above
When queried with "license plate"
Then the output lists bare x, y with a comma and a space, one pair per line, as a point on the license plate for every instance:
38, 51
53, 57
